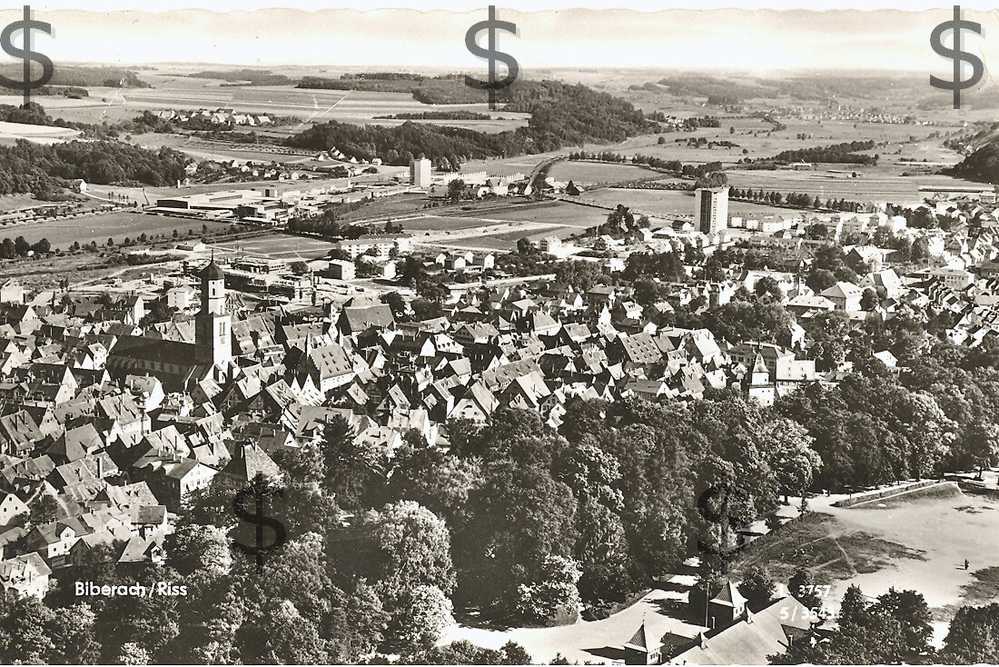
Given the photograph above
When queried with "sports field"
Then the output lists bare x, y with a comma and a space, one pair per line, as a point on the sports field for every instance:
277, 246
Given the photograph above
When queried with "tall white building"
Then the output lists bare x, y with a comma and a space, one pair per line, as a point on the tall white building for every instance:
711, 209
420, 172
213, 325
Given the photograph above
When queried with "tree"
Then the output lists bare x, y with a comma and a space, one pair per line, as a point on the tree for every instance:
299, 268
455, 190
648, 292
909, 608
802, 587
292, 638
769, 286
524, 246
440, 481
713, 270
466, 653
920, 249
196, 547
132, 654
554, 596
869, 299
72, 634
411, 547
21, 246
603, 553
423, 615
893, 630
973, 637
982, 444
44, 510
24, 631
355, 471
519, 517
758, 587
790, 456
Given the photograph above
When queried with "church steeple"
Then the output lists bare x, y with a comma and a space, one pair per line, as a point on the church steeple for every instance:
213, 325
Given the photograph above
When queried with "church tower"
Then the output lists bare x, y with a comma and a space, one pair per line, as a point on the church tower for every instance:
213, 326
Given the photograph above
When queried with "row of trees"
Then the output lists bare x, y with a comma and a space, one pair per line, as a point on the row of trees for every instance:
841, 152
19, 247
802, 200
674, 166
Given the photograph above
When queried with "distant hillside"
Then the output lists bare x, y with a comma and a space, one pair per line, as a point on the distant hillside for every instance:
253, 77
561, 115
449, 89
81, 76
982, 165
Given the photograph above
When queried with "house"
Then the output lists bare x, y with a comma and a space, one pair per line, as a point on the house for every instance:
845, 296
248, 461
11, 291
644, 647
11, 507
358, 319
25, 575
751, 636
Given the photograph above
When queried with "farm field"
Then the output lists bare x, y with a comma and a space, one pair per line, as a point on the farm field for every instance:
39, 134
206, 150
674, 202
870, 185
903, 141
589, 173
11, 202
307, 105
62, 233
552, 213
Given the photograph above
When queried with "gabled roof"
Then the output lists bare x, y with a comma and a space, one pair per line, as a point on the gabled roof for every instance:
640, 640
248, 461
729, 596
750, 640
360, 318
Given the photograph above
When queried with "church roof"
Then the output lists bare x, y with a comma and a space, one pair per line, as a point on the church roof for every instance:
212, 272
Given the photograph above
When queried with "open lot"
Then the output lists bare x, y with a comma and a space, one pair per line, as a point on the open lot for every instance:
915, 541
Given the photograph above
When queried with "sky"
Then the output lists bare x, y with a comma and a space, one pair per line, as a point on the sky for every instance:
581, 33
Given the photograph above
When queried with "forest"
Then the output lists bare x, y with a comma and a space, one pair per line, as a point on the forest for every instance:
561, 115
46, 170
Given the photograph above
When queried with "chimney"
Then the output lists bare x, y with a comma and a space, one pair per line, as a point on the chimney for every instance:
100, 467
